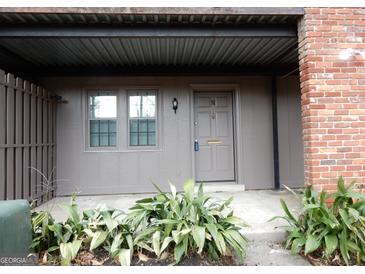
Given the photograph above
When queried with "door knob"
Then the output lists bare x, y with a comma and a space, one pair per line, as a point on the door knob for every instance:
196, 145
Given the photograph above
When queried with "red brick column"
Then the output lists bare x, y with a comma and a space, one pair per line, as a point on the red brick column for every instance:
333, 95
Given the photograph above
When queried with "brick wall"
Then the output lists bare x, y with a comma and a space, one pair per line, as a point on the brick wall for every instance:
333, 95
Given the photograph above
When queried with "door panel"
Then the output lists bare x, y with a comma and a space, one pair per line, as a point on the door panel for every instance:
205, 129
205, 158
221, 101
223, 124
204, 101
213, 129
224, 158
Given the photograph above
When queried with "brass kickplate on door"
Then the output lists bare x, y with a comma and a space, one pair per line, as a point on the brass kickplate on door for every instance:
212, 142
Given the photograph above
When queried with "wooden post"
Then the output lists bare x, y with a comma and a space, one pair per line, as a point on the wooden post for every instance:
26, 142
18, 91
33, 141
10, 131
2, 136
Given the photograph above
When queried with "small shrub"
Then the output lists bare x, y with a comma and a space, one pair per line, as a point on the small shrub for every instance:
328, 230
186, 222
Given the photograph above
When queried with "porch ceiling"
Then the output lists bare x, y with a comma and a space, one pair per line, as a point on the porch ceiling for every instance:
41, 43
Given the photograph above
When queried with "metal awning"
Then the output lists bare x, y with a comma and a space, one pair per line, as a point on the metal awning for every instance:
159, 40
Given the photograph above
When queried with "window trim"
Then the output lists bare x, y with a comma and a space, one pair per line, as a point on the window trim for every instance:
129, 92
122, 126
93, 92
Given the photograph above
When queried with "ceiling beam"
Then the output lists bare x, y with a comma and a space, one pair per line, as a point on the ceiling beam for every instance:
146, 31
153, 71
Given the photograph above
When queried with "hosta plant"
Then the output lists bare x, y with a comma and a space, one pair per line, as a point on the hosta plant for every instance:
102, 227
329, 231
105, 227
185, 222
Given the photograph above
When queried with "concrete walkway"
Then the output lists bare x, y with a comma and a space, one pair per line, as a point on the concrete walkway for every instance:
255, 207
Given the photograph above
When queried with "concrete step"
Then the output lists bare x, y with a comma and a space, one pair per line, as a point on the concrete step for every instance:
263, 236
216, 187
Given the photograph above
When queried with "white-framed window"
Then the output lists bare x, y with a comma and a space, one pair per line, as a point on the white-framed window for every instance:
142, 118
102, 119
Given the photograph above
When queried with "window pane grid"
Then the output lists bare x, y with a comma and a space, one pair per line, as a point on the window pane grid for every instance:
142, 132
103, 117
103, 133
142, 118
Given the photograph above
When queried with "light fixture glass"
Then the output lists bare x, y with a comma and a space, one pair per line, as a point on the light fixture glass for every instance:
346, 54
175, 104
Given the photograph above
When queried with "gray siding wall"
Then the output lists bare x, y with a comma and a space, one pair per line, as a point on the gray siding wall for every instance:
291, 157
125, 171
257, 135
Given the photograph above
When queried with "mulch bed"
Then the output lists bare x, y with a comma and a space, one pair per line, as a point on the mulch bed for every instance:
101, 257
317, 258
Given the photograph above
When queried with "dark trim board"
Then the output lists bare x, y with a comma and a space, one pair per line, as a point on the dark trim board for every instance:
35, 72
45, 31
274, 95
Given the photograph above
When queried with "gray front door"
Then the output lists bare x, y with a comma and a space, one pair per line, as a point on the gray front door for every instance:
213, 128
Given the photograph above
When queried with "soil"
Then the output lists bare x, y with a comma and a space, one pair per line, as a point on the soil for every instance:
192, 259
101, 257
317, 258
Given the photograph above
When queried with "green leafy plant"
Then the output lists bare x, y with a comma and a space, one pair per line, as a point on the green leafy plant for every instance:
43, 236
327, 230
105, 227
174, 222
69, 251
186, 222
102, 227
